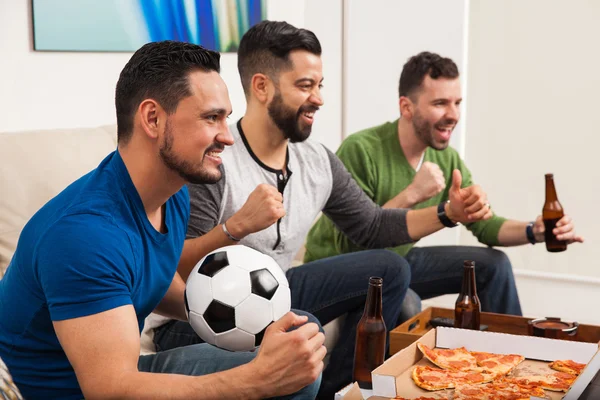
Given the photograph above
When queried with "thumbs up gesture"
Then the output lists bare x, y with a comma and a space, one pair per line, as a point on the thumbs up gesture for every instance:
467, 204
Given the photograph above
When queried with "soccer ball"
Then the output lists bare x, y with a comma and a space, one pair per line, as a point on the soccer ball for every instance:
233, 294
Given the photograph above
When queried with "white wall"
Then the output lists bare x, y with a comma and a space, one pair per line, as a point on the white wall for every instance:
51, 90
43, 90
533, 109
379, 37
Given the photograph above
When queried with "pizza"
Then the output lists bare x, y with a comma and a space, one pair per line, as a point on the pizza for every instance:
568, 366
459, 359
557, 381
497, 390
422, 398
499, 364
437, 379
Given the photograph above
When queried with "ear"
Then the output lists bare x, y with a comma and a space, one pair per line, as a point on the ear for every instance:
150, 113
261, 86
406, 107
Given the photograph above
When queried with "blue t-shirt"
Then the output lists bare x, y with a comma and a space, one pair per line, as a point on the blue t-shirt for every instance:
88, 250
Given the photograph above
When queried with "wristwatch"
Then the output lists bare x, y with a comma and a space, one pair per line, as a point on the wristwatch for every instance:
441, 213
529, 233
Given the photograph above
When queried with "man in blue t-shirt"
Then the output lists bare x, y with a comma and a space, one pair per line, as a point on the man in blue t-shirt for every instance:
99, 257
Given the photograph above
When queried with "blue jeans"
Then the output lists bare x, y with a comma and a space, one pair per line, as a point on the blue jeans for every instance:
328, 289
335, 286
438, 270
187, 354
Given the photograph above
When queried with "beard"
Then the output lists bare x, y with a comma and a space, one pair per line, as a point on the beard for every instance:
425, 130
185, 169
288, 121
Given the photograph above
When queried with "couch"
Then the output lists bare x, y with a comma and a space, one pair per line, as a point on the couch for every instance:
37, 165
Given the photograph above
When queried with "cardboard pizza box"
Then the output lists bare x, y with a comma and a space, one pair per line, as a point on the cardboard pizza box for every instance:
414, 328
393, 378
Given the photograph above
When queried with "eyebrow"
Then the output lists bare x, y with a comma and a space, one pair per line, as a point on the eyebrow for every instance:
218, 111
308, 80
444, 99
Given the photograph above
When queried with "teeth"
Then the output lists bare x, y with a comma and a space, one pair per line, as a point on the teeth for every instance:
309, 114
214, 154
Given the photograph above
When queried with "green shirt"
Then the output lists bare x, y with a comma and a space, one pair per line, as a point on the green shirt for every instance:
376, 161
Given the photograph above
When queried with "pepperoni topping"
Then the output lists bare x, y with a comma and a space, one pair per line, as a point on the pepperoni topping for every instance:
446, 353
459, 364
474, 377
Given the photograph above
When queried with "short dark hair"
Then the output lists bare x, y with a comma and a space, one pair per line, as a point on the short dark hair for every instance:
265, 48
158, 70
425, 63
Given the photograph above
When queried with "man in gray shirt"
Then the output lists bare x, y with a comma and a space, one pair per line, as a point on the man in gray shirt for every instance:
275, 182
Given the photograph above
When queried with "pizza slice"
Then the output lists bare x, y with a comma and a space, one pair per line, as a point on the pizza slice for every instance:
497, 390
437, 379
557, 381
499, 364
568, 366
459, 359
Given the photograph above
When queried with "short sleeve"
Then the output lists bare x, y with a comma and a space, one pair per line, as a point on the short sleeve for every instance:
85, 265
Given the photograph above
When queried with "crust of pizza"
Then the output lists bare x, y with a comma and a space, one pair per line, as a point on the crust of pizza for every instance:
499, 364
568, 366
557, 381
497, 390
437, 379
459, 359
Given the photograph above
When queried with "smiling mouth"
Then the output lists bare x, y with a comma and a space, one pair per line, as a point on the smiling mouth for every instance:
214, 154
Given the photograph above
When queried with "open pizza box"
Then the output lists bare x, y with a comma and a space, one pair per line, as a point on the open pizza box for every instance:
393, 378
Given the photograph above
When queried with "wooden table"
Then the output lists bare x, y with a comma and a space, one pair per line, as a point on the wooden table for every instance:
411, 330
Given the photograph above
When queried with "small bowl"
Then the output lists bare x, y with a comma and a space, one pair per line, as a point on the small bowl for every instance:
553, 328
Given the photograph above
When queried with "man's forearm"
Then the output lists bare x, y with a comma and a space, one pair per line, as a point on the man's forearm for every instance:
405, 199
423, 222
172, 304
196, 248
239, 382
512, 233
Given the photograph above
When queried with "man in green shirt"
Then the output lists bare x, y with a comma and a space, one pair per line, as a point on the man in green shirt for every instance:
408, 164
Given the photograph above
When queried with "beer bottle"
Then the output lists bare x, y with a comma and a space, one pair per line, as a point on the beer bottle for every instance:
551, 213
369, 352
467, 309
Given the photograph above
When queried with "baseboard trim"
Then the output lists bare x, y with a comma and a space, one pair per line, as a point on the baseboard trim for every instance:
588, 280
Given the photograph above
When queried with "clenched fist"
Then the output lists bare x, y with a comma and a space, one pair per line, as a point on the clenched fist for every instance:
288, 360
262, 209
428, 182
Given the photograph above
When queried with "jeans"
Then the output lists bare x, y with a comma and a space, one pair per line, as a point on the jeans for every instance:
186, 354
330, 288
438, 270
411, 306
335, 286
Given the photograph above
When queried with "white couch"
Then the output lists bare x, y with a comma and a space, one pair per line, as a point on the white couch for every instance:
36, 165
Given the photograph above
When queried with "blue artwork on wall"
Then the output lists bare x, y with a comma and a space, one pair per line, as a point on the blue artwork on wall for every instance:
125, 25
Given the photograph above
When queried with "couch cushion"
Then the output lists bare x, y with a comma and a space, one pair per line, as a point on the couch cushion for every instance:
36, 165
8, 389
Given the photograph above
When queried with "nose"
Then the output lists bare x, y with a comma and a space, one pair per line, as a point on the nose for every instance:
316, 98
453, 112
225, 137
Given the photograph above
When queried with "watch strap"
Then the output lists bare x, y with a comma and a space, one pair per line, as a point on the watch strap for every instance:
529, 233
441, 213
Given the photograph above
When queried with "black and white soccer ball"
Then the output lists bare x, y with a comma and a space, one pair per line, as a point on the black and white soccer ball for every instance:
233, 294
